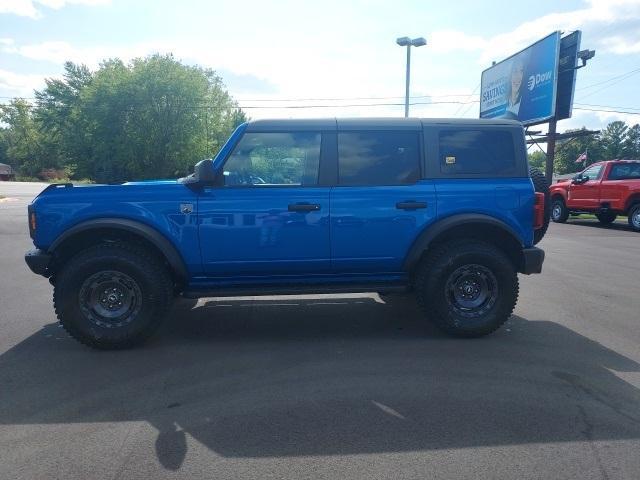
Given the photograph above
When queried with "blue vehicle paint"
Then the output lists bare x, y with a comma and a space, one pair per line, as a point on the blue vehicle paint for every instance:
369, 233
156, 204
250, 235
295, 206
509, 200
250, 231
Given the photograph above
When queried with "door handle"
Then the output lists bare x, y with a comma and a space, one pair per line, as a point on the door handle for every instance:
304, 207
410, 205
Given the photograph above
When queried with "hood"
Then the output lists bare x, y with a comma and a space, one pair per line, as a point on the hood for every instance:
151, 182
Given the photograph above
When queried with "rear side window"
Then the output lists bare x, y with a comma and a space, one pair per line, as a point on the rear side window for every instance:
625, 171
378, 158
477, 152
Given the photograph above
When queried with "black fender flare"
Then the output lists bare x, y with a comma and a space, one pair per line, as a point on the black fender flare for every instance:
171, 254
422, 242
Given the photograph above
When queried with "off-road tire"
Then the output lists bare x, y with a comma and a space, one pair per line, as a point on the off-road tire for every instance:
634, 217
434, 297
540, 185
148, 279
606, 218
559, 211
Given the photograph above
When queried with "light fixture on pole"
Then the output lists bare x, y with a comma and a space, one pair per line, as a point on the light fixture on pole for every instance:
408, 42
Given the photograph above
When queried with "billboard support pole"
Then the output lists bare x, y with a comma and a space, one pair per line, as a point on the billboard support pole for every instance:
551, 150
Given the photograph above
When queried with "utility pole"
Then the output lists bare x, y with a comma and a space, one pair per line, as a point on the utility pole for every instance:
408, 42
551, 150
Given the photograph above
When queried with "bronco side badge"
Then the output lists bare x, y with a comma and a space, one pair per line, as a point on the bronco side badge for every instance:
186, 208
450, 160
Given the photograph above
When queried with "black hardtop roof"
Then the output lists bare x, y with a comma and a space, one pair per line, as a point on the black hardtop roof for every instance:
387, 123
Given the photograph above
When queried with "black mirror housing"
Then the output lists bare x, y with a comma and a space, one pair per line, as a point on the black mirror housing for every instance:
204, 173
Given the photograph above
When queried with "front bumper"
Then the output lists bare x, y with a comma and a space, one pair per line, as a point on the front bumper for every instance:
38, 261
532, 259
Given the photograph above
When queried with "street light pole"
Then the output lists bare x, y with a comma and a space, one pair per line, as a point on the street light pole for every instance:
407, 81
408, 42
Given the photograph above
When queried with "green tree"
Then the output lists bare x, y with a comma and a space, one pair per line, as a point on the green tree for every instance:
57, 116
22, 140
154, 117
613, 140
538, 159
632, 143
568, 151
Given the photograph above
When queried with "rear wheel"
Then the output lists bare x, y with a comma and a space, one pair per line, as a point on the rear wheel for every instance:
541, 186
112, 296
467, 288
634, 217
559, 212
606, 217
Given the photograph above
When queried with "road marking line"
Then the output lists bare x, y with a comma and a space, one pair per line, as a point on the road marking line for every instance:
388, 410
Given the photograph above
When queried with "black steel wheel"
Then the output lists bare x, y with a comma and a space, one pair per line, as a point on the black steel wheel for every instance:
468, 288
110, 299
112, 296
471, 290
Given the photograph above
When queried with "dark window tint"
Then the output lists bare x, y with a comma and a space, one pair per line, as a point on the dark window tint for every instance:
267, 159
477, 152
625, 171
378, 158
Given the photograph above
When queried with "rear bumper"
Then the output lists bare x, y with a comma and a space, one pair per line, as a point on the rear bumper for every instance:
532, 259
38, 261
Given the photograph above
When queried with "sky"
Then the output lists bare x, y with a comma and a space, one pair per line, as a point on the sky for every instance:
340, 54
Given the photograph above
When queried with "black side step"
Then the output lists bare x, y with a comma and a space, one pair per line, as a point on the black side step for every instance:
257, 290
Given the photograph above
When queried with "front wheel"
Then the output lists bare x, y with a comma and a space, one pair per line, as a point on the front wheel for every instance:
634, 217
112, 296
559, 211
468, 288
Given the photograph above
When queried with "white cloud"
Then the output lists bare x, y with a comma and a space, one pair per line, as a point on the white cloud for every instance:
599, 18
28, 8
445, 41
621, 45
20, 85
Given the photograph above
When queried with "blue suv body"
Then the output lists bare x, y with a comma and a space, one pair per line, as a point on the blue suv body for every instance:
445, 208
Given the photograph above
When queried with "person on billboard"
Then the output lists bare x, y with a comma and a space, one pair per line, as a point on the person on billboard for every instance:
514, 88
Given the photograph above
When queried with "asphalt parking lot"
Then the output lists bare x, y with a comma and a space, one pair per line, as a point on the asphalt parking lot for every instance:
332, 386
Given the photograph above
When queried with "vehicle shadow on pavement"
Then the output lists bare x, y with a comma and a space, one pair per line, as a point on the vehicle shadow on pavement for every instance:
327, 377
619, 226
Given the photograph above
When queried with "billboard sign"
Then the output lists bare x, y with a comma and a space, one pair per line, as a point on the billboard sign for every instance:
523, 87
567, 72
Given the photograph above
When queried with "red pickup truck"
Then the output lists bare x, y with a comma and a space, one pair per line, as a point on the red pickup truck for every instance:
606, 189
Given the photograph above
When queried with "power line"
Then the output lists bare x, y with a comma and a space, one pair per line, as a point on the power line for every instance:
460, 107
332, 99
631, 72
605, 106
620, 79
606, 111
350, 105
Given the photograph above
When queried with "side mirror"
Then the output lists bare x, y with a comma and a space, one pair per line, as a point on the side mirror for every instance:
203, 172
579, 179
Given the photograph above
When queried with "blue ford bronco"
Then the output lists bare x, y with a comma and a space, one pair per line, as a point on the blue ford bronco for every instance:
447, 209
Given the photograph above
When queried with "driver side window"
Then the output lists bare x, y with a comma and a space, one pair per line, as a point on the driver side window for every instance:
274, 159
592, 172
